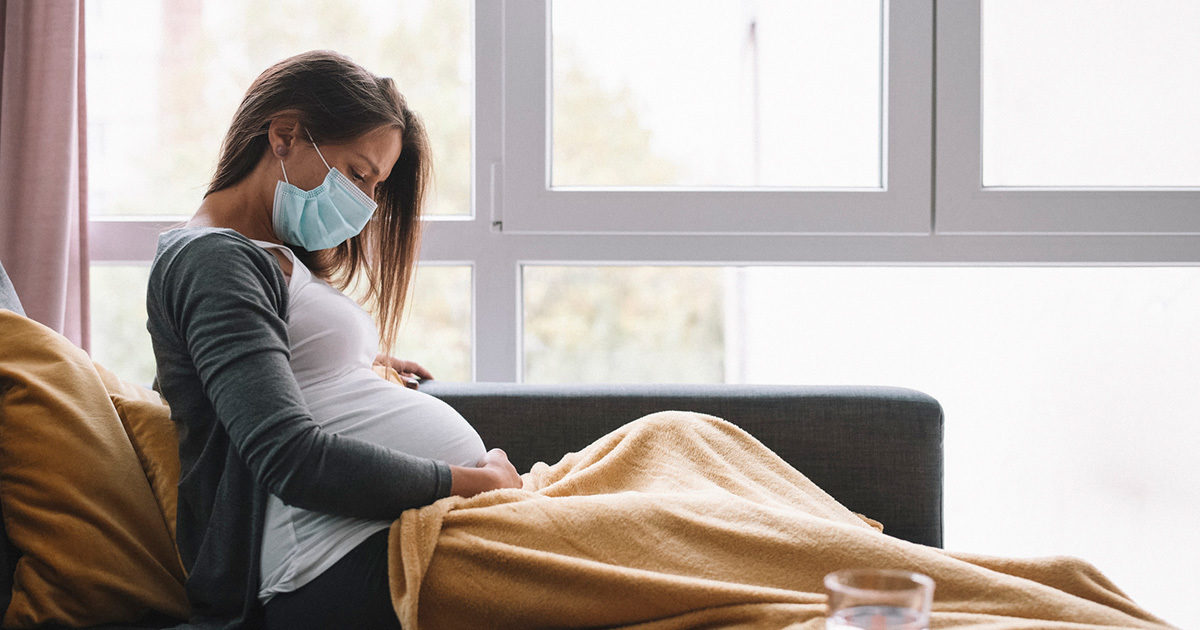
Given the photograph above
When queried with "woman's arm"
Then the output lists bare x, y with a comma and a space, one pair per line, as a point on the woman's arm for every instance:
494, 471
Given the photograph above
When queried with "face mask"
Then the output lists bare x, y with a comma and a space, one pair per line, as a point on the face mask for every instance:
323, 217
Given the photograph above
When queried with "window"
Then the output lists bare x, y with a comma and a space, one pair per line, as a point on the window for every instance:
962, 219
193, 60
1068, 394
1067, 390
187, 64
120, 341
436, 330
830, 138
624, 324
1080, 95
772, 94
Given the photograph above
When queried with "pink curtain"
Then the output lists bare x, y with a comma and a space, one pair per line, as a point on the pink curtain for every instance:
43, 194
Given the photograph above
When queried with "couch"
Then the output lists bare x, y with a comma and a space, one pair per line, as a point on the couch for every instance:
878, 450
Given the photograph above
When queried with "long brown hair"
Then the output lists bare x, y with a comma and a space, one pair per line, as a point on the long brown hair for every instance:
337, 101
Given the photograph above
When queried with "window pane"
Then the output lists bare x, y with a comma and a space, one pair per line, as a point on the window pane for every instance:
721, 93
165, 77
1069, 396
623, 324
437, 329
1084, 93
120, 341
436, 332
1068, 392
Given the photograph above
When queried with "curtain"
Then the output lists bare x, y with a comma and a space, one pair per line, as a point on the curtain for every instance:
43, 187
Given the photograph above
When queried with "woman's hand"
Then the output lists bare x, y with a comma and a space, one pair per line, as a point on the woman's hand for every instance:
506, 474
494, 471
409, 371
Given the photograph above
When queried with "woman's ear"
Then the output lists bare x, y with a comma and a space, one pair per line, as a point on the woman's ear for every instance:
281, 133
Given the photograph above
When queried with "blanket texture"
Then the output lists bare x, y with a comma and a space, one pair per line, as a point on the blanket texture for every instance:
680, 520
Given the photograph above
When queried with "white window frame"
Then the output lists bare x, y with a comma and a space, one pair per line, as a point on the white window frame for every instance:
961, 225
899, 206
965, 206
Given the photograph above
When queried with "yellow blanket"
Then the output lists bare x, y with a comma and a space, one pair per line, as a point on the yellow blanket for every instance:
680, 520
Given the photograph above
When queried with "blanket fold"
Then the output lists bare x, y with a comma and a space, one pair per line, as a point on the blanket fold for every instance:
681, 520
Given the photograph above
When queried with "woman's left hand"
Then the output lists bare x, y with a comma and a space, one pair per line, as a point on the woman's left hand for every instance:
410, 371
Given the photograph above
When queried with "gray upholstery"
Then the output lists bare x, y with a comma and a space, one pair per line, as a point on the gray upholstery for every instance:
8, 295
878, 450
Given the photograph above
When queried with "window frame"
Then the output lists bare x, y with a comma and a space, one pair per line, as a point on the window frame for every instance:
531, 205
965, 206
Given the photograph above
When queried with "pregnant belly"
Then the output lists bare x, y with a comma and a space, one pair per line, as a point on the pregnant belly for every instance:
362, 405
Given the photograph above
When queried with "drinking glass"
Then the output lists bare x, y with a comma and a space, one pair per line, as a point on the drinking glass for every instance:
878, 599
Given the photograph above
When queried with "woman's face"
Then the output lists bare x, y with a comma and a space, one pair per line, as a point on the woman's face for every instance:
366, 161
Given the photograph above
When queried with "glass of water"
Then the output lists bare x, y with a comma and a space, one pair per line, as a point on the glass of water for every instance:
878, 599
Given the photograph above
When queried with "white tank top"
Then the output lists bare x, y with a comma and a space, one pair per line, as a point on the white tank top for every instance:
333, 344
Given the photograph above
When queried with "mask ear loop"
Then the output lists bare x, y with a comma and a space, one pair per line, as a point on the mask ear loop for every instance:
310, 139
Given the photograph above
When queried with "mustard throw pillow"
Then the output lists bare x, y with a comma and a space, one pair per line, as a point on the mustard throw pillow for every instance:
72, 492
147, 421
152, 433
116, 386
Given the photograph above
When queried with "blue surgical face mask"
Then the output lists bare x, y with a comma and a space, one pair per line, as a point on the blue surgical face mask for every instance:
323, 217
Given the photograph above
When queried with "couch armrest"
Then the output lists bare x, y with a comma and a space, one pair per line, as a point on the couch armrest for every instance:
878, 450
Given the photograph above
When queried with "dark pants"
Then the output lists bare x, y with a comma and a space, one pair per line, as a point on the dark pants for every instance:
351, 594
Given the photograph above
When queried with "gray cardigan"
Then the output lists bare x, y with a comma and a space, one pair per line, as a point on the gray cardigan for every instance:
217, 310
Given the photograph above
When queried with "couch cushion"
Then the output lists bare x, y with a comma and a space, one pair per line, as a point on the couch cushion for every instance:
73, 495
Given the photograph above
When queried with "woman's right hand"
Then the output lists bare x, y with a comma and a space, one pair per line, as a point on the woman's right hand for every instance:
492, 472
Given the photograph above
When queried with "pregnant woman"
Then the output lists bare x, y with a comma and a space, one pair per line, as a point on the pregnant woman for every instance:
295, 456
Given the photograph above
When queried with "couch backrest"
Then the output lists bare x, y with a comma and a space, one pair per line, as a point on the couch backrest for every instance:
877, 450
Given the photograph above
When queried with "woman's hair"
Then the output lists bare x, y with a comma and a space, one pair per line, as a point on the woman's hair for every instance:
337, 101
